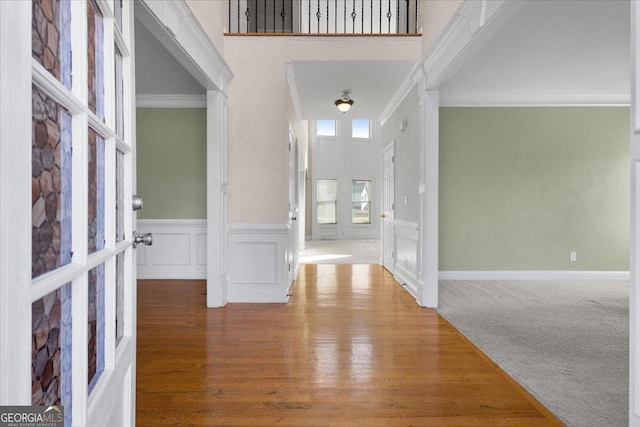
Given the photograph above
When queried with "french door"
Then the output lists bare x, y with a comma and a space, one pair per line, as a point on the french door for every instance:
67, 306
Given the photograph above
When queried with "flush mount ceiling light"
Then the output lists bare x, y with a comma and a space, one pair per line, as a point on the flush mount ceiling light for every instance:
344, 103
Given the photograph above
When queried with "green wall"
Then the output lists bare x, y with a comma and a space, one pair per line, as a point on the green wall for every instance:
520, 188
172, 162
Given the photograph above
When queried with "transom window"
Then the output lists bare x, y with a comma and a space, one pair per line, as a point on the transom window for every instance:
326, 128
361, 129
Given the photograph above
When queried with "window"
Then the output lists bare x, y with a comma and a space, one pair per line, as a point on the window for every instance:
361, 202
326, 201
361, 129
326, 128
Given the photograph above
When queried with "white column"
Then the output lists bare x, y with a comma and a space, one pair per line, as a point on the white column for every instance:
428, 189
216, 199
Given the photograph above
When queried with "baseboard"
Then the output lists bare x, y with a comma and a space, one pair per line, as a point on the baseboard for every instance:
559, 276
407, 280
179, 249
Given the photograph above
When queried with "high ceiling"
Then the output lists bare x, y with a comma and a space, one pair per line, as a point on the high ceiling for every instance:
551, 50
372, 85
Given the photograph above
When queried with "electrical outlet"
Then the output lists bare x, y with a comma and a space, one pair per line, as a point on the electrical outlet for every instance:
572, 256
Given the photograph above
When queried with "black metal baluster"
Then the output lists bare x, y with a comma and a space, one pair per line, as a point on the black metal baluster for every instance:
344, 30
416, 16
327, 16
398, 17
362, 16
309, 16
318, 15
353, 17
247, 13
389, 15
264, 30
256, 16
274, 16
229, 15
380, 9
408, 13
371, 16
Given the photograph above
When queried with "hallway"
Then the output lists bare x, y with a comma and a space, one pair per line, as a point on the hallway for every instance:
350, 348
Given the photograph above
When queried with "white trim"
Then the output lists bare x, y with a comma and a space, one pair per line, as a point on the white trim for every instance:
184, 242
401, 93
177, 28
258, 268
171, 101
293, 90
537, 99
407, 224
556, 276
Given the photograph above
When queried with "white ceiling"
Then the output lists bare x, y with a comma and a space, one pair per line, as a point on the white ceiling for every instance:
372, 85
157, 70
552, 50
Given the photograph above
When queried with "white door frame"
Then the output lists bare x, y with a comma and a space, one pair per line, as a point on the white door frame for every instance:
387, 238
634, 263
176, 27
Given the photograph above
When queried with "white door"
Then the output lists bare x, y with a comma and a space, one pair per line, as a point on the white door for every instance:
388, 200
67, 156
293, 251
634, 295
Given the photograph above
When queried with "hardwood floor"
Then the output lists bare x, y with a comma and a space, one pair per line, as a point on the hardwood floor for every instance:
350, 348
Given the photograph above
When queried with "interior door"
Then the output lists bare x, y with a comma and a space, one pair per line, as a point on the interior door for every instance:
388, 205
68, 173
293, 251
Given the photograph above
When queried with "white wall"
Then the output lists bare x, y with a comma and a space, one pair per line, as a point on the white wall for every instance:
257, 112
345, 158
213, 18
434, 16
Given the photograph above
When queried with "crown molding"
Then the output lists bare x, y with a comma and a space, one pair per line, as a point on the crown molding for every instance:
534, 99
415, 75
174, 24
171, 101
293, 89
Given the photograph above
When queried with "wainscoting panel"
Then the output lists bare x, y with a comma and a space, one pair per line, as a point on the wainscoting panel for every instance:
179, 249
258, 269
406, 266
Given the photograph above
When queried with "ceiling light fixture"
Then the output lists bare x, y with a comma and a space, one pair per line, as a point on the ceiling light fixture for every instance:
345, 102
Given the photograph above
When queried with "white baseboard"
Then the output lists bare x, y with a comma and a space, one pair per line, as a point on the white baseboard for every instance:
558, 276
179, 249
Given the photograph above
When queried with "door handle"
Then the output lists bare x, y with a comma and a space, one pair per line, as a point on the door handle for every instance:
146, 239
294, 218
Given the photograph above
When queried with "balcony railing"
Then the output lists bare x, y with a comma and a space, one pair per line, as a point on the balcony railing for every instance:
323, 16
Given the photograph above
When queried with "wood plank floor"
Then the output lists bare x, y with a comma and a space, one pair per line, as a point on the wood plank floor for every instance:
350, 348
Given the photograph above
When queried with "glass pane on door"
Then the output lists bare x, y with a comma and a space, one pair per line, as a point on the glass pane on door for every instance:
96, 325
51, 350
119, 196
95, 50
51, 37
50, 184
96, 192
120, 269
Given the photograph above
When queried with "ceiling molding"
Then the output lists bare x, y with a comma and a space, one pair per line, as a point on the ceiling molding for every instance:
402, 92
176, 27
171, 101
537, 99
293, 90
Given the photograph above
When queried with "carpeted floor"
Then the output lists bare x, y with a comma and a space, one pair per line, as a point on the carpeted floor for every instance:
566, 343
366, 251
